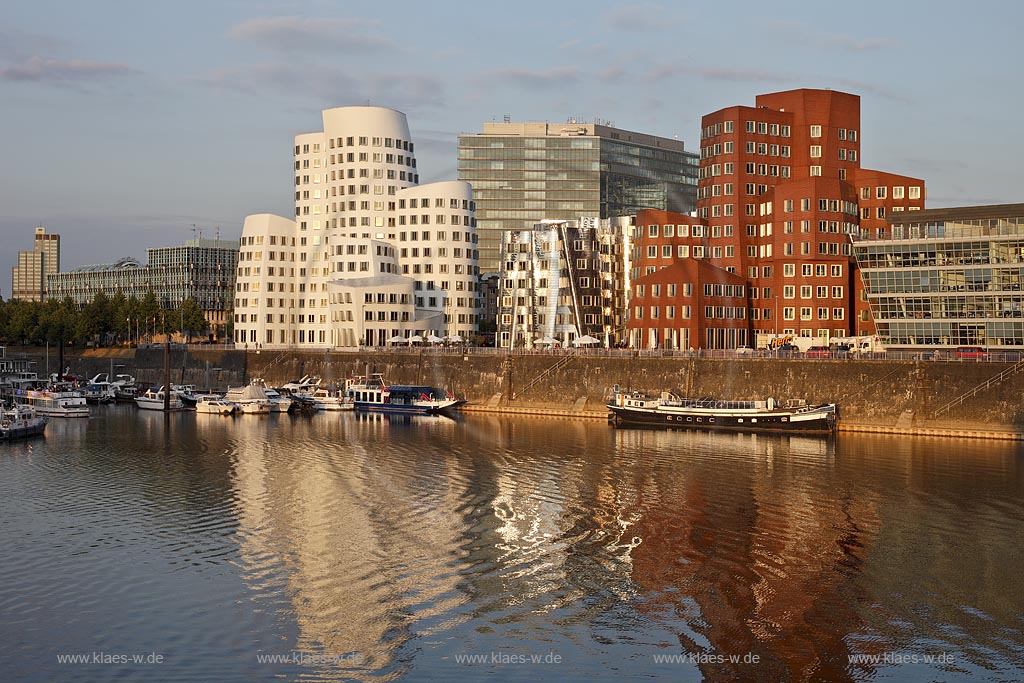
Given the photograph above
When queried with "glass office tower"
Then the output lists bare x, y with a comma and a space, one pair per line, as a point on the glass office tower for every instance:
948, 277
523, 173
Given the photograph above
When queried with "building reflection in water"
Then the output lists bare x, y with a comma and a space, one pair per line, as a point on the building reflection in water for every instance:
395, 540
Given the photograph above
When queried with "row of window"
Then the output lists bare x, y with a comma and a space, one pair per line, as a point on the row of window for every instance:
912, 192
813, 269
654, 312
811, 292
319, 162
363, 141
751, 168
807, 313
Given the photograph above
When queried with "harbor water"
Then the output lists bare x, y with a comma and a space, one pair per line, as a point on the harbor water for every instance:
139, 546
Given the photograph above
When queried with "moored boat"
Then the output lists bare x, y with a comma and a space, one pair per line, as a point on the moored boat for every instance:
331, 399
374, 394
668, 410
125, 388
278, 402
250, 399
153, 399
60, 400
216, 406
21, 421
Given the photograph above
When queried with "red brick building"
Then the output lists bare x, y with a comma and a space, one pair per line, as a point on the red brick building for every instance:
783, 195
679, 299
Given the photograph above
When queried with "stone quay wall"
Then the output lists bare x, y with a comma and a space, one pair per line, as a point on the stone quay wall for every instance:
903, 395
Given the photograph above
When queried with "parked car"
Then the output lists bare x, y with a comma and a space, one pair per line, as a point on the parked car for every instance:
971, 353
744, 351
788, 350
819, 352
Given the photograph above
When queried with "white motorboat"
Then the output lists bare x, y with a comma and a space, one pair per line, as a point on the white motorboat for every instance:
154, 400
99, 389
215, 406
308, 384
249, 399
326, 399
278, 403
60, 400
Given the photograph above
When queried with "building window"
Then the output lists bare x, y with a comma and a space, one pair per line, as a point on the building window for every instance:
816, 151
815, 170
815, 131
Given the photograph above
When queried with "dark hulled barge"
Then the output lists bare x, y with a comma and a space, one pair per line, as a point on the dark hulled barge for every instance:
668, 410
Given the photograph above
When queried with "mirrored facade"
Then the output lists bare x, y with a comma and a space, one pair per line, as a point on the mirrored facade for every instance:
948, 277
522, 173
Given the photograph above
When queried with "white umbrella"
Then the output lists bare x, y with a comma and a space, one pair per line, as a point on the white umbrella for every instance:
415, 338
585, 340
434, 339
397, 339
454, 338
550, 341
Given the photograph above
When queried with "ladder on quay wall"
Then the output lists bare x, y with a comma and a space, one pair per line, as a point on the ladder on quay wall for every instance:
984, 386
562, 362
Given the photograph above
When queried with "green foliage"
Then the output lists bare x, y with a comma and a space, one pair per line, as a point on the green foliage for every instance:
191, 319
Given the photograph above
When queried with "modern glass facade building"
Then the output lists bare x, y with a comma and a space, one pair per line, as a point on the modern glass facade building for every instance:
201, 269
948, 277
523, 173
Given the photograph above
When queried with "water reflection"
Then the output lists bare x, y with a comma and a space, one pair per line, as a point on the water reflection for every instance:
395, 545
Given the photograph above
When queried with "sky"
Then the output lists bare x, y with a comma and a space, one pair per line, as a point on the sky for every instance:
125, 124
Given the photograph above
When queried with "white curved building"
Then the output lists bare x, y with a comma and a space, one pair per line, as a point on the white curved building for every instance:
370, 254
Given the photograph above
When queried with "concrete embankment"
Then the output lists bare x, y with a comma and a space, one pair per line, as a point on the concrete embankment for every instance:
882, 396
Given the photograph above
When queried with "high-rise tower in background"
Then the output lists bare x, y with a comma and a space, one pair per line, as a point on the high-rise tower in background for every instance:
28, 278
523, 173
370, 255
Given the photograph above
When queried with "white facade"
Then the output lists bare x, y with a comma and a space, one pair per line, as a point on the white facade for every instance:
364, 231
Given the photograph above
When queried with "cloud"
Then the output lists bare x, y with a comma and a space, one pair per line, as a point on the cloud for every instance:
640, 16
797, 33
408, 91
556, 77
314, 35
17, 45
726, 74
62, 72
715, 73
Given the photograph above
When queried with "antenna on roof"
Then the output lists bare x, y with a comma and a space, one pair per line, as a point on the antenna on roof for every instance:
508, 118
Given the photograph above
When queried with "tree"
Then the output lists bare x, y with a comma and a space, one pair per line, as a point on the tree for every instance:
95, 319
191, 318
149, 310
23, 324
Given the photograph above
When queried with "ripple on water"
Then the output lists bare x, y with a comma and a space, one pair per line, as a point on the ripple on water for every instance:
398, 544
